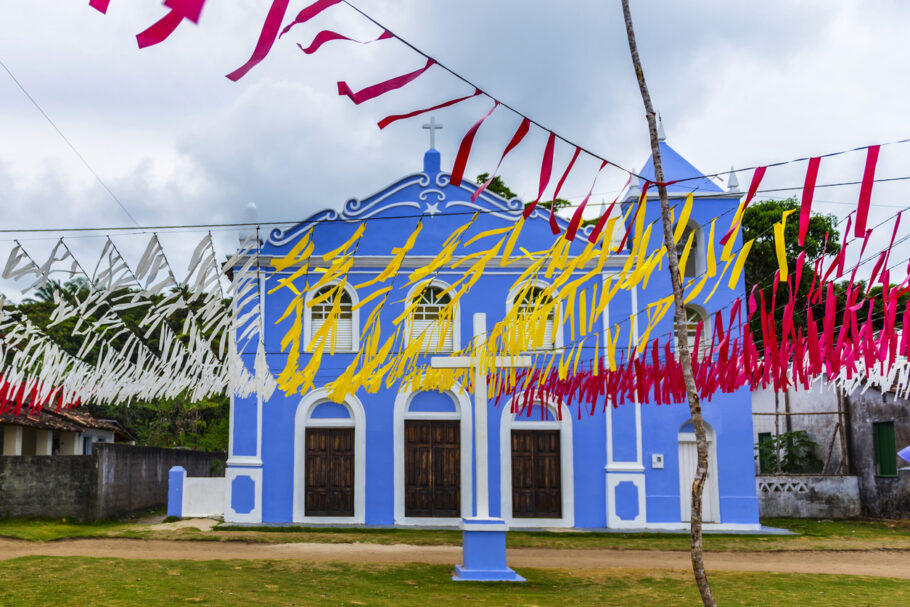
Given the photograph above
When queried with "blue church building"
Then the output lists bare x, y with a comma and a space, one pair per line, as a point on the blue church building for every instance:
405, 458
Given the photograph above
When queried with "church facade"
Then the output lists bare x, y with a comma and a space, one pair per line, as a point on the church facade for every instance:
406, 458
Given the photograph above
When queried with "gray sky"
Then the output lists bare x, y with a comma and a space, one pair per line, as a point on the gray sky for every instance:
737, 84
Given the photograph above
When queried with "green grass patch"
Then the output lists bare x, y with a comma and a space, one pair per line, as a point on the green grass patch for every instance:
55, 529
50, 581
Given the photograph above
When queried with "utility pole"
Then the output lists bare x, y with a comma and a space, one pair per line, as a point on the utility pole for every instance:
682, 346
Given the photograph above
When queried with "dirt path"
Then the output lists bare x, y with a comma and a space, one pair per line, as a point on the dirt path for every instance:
867, 562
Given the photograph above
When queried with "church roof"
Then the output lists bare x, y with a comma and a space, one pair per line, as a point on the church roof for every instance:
676, 167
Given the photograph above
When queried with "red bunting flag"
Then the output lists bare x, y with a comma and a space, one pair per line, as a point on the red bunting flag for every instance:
464, 150
381, 88
753, 188
100, 5
554, 227
865, 191
309, 12
516, 139
641, 200
180, 10
572, 230
266, 38
328, 35
808, 193
546, 169
396, 117
598, 228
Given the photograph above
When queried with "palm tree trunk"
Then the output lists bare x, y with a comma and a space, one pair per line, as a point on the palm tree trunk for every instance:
682, 346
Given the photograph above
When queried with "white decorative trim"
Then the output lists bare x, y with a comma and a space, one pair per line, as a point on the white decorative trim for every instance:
463, 412
566, 466
456, 312
766, 487
638, 464
613, 519
355, 319
254, 515
301, 421
244, 460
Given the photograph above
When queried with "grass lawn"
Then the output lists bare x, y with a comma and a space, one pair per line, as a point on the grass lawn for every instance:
814, 535
56, 581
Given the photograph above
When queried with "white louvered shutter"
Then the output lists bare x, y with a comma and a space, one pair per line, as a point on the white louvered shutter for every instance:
344, 321
427, 322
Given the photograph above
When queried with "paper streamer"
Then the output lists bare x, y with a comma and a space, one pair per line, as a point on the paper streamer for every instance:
464, 150
572, 230
266, 38
513, 143
381, 88
546, 169
396, 117
308, 13
554, 227
865, 192
328, 35
180, 10
757, 176
805, 210
100, 5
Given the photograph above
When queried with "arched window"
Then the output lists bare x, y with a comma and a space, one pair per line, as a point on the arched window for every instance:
693, 317
430, 322
344, 321
526, 300
691, 269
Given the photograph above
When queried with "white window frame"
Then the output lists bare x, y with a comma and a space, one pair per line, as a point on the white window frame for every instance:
566, 464
456, 316
698, 246
302, 421
355, 320
558, 341
464, 413
705, 332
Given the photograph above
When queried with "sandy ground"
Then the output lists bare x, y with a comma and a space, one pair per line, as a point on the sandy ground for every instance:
882, 563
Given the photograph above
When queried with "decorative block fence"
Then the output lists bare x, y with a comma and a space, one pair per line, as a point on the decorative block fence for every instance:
189, 497
112, 481
808, 496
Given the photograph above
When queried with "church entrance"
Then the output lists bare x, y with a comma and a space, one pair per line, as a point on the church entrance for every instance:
432, 468
536, 483
329, 472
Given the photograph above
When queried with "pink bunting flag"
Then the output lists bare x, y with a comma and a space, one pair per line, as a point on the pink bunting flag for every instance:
753, 188
554, 227
266, 39
546, 169
396, 117
464, 150
516, 139
100, 5
808, 192
381, 88
328, 35
572, 230
180, 10
641, 200
309, 12
865, 191
599, 226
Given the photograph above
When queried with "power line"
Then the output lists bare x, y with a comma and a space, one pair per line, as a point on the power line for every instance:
69, 143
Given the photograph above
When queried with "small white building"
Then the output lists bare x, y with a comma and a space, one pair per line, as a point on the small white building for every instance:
56, 433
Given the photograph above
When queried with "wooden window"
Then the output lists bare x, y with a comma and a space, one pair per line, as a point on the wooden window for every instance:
344, 323
536, 481
430, 322
526, 301
691, 269
432, 468
885, 449
329, 472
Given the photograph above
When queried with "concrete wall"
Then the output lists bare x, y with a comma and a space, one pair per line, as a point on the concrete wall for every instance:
808, 496
885, 497
114, 480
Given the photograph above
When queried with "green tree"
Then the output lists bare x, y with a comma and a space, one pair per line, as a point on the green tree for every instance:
497, 186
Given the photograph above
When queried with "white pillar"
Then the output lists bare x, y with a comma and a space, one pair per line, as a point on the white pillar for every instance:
70, 443
482, 464
12, 440
44, 442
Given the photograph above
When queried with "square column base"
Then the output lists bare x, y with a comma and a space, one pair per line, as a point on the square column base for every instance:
484, 552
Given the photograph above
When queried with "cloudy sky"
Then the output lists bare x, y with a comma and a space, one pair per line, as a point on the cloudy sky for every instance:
737, 84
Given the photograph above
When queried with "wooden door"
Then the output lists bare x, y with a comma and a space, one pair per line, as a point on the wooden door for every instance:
536, 480
329, 472
432, 468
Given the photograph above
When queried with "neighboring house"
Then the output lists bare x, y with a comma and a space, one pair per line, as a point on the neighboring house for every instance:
397, 457
857, 435
64, 432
